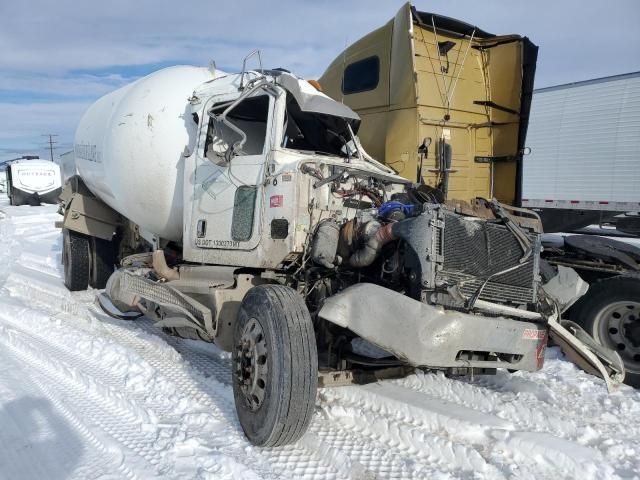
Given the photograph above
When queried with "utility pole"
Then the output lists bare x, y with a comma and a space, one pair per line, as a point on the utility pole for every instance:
51, 142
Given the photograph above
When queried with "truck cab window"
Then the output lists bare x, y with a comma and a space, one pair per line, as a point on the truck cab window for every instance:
361, 76
250, 116
316, 132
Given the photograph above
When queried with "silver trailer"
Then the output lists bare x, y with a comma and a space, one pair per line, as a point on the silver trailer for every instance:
584, 163
583, 169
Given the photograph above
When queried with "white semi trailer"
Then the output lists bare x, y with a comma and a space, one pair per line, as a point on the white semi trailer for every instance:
584, 168
242, 210
584, 165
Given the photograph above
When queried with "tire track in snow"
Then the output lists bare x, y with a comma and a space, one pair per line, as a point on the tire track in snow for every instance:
410, 430
102, 460
530, 414
464, 438
606, 423
93, 405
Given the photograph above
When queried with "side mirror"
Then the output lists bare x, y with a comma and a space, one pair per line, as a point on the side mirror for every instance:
425, 145
423, 151
233, 150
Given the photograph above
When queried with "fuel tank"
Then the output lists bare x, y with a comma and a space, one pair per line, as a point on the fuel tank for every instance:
130, 144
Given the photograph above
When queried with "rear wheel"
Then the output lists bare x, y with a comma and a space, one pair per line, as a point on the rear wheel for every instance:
610, 312
275, 366
103, 259
75, 259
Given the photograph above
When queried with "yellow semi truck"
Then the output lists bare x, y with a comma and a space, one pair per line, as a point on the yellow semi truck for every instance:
424, 76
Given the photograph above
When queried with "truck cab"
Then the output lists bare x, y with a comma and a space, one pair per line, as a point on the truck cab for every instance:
252, 147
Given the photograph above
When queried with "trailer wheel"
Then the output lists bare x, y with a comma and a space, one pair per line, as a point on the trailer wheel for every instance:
75, 259
103, 259
610, 312
275, 366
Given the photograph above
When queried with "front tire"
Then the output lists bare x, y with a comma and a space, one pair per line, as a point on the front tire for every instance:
75, 259
275, 366
610, 313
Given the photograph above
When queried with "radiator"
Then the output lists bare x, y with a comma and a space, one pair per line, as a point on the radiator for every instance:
471, 250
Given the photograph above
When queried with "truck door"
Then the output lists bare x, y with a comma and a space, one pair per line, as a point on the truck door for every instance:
228, 191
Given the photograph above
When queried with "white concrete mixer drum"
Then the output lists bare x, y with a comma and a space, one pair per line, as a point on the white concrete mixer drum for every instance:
129, 147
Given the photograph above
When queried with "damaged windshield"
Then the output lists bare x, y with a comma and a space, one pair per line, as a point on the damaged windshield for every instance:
321, 133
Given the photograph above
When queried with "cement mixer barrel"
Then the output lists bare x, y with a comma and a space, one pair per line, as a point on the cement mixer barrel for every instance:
130, 144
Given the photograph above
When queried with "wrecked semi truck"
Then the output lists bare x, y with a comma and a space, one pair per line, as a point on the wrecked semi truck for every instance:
424, 78
242, 210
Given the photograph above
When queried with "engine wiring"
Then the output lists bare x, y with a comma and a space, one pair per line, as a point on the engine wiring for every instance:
377, 201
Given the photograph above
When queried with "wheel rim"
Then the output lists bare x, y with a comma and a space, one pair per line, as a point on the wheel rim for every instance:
251, 365
618, 327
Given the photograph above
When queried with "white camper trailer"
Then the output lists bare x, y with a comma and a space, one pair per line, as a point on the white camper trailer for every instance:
33, 181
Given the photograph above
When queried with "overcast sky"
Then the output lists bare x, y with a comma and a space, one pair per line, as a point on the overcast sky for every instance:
57, 57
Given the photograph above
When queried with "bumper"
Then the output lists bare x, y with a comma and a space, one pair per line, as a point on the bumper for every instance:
20, 197
428, 336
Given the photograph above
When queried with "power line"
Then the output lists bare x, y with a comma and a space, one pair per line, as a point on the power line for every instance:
51, 142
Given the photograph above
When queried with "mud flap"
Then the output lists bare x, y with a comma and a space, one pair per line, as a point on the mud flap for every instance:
590, 356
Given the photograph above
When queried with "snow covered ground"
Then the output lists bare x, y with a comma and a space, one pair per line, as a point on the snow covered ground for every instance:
85, 396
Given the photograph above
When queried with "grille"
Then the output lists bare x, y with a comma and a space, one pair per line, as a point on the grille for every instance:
475, 250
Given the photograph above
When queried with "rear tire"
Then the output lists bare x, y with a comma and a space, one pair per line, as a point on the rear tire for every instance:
610, 313
75, 259
103, 259
275, 366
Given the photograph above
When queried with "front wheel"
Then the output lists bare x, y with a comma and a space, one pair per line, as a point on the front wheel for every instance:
610, 312
275, 366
